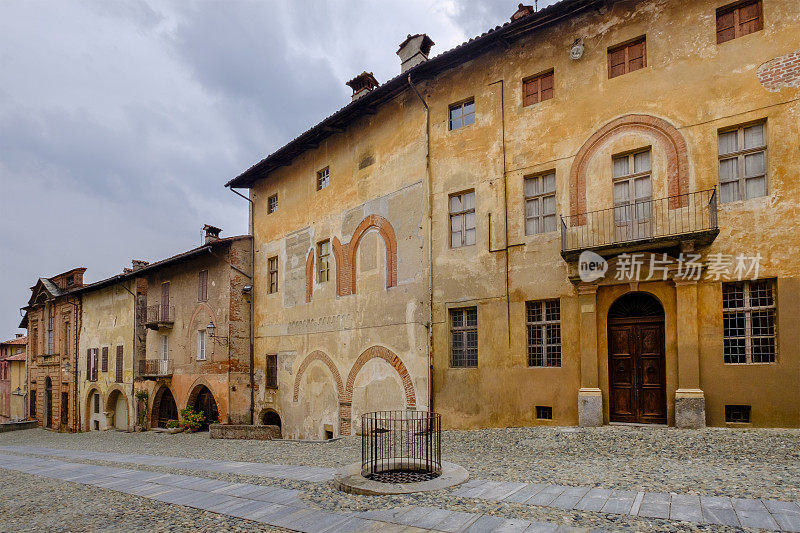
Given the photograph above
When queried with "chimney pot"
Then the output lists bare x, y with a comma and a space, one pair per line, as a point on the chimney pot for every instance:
522, 11
362, 84
414, 50
212, 233
136, 264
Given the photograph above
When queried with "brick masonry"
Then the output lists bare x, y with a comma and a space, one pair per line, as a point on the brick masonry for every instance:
781, 72
669, 139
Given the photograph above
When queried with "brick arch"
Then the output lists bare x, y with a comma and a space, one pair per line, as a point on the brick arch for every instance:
310, 275
346, 254
669, 139
368, 354
318, 355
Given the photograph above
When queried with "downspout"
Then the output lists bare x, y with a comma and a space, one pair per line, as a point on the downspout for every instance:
430, 239
251, 214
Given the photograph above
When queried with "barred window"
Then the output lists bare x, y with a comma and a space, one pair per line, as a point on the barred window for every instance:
540, 203
272, 264
323, 179
742, 163
464, 334
272, 204
748, 315
544, 333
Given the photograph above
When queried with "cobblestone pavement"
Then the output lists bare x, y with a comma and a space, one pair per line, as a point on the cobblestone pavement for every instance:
746, 464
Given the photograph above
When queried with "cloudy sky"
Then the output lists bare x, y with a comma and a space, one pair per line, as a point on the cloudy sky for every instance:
120, 122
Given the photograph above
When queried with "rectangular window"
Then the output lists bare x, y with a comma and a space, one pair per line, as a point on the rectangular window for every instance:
462, 114
49, 336
627, 57
33, 341
119, 363
164, 348
272, 204
464, 335
104, 367
66, 338
748, 317
462, 219
97, 404
632, 196
323, 260
739, 19
537, 88
540, 203
742, 163
544, 412
272, 371
737, 414
544, 332
201, 345
272, 267
91, 364
32, 414
202, 286
64, 409
323, 178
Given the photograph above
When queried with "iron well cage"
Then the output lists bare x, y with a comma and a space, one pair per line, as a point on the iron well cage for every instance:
401, 446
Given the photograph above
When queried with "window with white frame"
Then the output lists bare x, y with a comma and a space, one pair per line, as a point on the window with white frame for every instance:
323, 260
743, 163
164, 347
462, 219
323, 178
748, 316
540, 203
544, 332
201, 345
272, 204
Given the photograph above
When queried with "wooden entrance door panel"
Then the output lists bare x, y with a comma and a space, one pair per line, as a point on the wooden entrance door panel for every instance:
621, 373
652, 381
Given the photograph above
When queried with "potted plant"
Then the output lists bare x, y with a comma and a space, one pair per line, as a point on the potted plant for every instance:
173, 426
192, 421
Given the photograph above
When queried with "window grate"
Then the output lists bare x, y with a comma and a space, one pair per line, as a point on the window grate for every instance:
464, 337
544, 333
544, 412
737, 414
748, 320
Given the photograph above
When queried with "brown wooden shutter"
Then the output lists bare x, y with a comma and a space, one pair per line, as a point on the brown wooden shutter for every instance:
202, 286
105, 359
272, 371
94, 364
119, 364
165, 301
89, 364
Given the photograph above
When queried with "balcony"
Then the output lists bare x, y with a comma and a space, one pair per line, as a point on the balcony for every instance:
649, 225
160, 316
155, 368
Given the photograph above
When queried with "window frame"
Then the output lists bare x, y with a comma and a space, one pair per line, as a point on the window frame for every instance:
460, 105
748, 310
323, 178
119, 364
626, 46
543, 325
539, 197
271, 371
272, 203
463, 214
740, 155
465, 361
272, 274
201, 345
537, 79
323, 261
202, 286
736, 9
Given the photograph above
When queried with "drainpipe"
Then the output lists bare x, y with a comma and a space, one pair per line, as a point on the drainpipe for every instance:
132, 410
430, 239
251, 214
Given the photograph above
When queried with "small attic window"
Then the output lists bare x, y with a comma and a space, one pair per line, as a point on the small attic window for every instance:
70, 281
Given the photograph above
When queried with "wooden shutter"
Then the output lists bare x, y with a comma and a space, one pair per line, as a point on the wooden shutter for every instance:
105, 359
272, 371
202, 286
94, 364
165, 301
89, 364
119, 364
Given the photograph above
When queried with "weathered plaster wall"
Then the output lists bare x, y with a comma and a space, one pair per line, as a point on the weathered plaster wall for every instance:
379, 319
107, 321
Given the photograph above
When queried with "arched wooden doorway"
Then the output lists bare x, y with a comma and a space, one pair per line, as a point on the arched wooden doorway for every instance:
636, 367
205, 402
48, 402
167, 409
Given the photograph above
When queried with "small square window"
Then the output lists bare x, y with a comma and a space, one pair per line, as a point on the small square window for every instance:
462, 114
323, 178
272, 204
537, 88
737, 414
544, 412
627, 57
738, 20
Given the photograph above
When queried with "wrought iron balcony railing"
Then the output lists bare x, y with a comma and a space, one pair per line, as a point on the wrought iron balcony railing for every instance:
160, 316
155, 368
648, 224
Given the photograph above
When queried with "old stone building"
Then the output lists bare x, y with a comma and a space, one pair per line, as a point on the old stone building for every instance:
428, 245
52, 318
13, 381
108, 336
196, 349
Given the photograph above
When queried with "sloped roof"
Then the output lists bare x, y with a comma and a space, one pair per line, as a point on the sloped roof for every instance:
18, 357
367, 104
17, 340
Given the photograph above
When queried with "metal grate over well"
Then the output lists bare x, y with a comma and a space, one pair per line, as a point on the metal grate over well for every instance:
401, 446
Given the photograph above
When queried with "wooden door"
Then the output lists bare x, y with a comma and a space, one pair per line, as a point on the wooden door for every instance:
205, 402
167, 409
48, 403
636, 368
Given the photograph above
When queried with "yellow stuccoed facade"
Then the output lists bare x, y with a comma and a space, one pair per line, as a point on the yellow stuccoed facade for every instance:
377, 334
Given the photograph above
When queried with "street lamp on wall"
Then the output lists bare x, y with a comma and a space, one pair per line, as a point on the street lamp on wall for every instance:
210, 329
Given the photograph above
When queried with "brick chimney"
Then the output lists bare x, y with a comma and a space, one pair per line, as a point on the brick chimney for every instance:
522, 11
212, 233
137, 264
362, 84
414, 50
